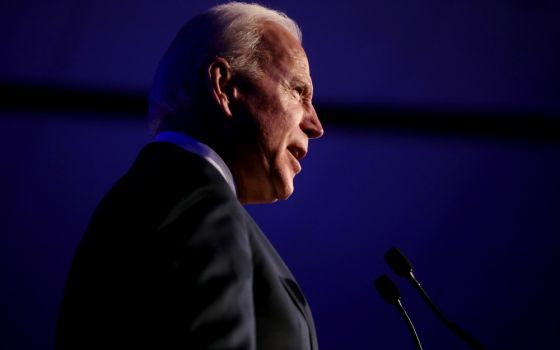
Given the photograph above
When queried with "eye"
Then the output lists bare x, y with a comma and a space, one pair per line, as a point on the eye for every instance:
299, 90
302, 92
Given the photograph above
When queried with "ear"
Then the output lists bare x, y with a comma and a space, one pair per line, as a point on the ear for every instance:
222, 84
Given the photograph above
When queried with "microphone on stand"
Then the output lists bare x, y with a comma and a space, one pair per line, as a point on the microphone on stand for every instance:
400, 264
390, 293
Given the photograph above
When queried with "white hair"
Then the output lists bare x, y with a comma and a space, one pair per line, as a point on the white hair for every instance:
242, 34
232, 31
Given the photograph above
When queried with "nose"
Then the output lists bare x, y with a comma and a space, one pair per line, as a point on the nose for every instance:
311, 125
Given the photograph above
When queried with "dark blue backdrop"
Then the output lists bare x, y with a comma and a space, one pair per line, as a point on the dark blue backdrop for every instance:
479, 216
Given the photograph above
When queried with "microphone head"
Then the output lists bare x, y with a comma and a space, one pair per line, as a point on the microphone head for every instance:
387, 289
398, 262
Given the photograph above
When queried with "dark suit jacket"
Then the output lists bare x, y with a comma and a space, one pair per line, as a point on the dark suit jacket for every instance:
172, 260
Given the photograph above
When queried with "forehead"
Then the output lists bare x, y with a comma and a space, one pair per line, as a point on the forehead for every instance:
283, 52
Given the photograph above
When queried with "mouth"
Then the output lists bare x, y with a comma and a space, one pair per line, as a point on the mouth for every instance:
297, 154
297, 151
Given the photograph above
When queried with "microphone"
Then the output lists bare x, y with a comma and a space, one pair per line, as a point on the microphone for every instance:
390, 293
400, 264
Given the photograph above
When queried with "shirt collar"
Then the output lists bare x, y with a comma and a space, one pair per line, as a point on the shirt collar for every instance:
192, 145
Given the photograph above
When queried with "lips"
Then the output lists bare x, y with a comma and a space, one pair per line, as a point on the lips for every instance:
297, 153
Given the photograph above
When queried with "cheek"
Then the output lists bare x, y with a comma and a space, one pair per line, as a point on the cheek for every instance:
276, 126
275, 135
285, 166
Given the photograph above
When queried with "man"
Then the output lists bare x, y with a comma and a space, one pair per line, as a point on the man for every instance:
170, 258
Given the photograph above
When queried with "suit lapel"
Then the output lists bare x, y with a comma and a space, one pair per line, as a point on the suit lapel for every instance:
298, 298
286, 279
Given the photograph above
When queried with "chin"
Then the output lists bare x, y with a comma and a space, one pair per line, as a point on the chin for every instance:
271, 194
284, 196
277, 194
279, 186
284, 190
279, 191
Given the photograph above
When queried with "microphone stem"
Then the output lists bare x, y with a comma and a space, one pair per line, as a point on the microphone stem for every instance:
409, 324
472, 342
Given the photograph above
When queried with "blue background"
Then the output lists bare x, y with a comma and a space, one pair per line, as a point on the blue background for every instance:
479, 216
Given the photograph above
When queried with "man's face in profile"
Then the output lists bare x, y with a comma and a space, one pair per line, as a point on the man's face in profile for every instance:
282, 118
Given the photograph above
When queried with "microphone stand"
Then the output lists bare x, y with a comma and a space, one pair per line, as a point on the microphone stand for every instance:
461, 333
400, 264
409, 325
391, 294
